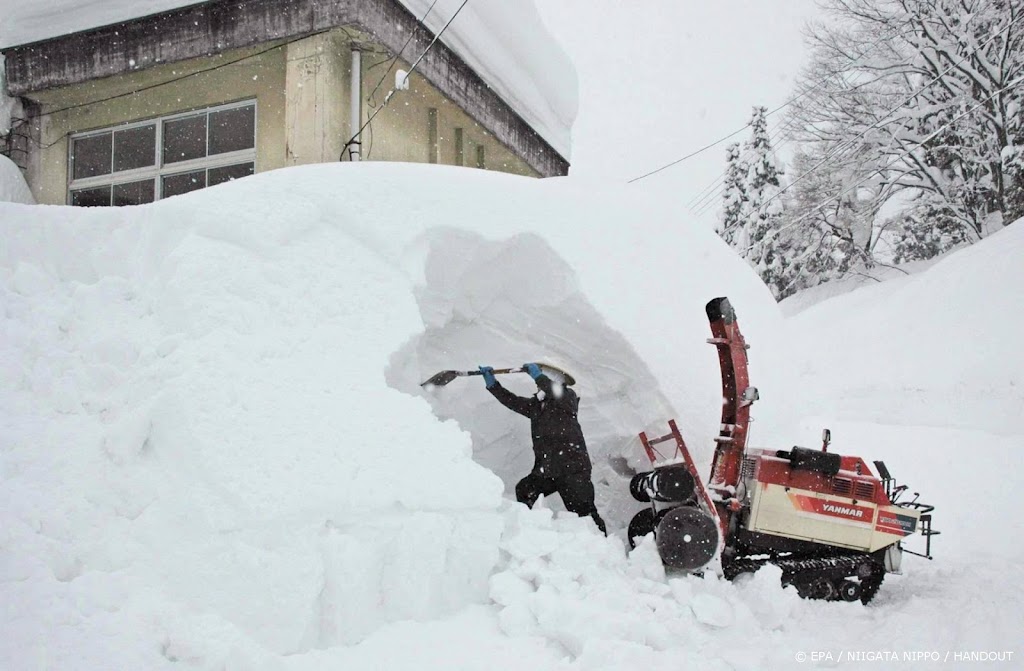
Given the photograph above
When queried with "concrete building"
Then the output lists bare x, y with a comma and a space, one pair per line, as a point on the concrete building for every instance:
168, 103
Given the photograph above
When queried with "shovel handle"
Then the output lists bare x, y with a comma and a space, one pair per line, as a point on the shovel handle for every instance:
446, 376
498, 371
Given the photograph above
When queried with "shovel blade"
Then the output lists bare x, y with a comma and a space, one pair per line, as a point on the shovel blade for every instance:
441, 379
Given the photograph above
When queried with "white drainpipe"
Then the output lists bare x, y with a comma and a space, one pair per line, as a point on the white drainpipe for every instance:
356, 102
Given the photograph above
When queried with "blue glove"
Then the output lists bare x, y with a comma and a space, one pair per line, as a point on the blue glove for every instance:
533, 369
488, 373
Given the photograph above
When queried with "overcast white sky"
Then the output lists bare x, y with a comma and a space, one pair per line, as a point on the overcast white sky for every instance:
661, 78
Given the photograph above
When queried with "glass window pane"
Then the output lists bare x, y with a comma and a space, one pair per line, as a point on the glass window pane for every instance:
228, 173
134, 148
95, 197
175, 185
134, 193
185, 139
232, 129
90, 156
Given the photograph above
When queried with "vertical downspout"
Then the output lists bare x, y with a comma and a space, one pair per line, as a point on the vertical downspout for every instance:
355, 104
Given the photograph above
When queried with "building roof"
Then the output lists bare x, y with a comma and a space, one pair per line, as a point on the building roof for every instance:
504, 41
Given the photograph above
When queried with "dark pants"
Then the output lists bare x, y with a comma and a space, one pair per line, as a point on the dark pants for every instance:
577, 492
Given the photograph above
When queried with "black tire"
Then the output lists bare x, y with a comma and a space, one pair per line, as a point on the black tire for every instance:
687, 538
848, 590
816, 587
642, 524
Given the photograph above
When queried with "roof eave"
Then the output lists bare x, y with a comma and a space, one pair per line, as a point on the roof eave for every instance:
220, 25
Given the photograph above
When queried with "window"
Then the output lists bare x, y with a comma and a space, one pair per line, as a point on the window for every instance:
148, 160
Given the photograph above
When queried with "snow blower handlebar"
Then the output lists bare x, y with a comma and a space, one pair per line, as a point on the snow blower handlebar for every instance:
446, 376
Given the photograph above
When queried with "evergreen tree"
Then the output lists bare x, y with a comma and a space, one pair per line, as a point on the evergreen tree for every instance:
764, 203
734, 197
752, 207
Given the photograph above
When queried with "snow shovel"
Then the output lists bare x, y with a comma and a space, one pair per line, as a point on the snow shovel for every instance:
446, 376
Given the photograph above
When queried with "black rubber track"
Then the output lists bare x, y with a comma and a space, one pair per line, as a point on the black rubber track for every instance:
807, 570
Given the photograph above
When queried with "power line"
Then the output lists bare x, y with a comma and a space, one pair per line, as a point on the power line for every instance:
387, 71
842, 147
157, 85
703, 203
177, 79
747, 125
412, 69
690, 155
878, 171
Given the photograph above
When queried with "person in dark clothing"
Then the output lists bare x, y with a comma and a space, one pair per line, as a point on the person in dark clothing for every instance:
561, 462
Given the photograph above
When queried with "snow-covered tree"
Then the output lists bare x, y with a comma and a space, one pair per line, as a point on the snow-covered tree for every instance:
752, 205
734, 197
825, 231
919, 99
764, 204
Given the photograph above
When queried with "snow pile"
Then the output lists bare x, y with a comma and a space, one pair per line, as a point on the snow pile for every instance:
13, 188
568, 584
504, 41
937, 348
215, 448
206, 459
215, 452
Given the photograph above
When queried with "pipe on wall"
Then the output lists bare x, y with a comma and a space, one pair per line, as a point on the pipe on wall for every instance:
355, 105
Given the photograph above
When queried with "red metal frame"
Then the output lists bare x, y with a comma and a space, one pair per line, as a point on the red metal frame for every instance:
732, 358
732, 438
681, 451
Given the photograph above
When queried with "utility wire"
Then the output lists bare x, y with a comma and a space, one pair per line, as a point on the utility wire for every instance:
157, 85
747, 125
177, 79
843, 147
709, 199
878, 171
387, 98
387, 71
690, 155
703, 202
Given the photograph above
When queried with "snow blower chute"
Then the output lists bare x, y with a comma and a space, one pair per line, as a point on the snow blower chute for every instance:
834, 528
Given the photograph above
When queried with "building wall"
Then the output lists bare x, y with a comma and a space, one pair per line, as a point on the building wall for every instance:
401, 131
261, 77
302, 95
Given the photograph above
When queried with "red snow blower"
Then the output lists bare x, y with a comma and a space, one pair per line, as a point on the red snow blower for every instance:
832, 526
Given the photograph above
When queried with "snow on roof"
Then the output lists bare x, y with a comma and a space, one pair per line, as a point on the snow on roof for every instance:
504, 41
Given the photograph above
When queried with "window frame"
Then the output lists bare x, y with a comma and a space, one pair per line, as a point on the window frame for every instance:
159, 170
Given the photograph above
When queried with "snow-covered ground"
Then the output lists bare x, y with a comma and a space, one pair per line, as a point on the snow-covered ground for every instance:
215, 452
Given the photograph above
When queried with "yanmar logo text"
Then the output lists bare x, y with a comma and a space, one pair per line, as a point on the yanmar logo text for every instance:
812, 504
842, 510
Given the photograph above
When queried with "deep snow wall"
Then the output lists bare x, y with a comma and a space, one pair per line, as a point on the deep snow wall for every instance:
211, 403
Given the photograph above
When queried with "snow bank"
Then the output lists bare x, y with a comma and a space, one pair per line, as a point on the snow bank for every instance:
13, 188
937, 348
215, 452
504, 41
215, 448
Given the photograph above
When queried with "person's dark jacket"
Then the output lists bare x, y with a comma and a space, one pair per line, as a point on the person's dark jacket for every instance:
558, 443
